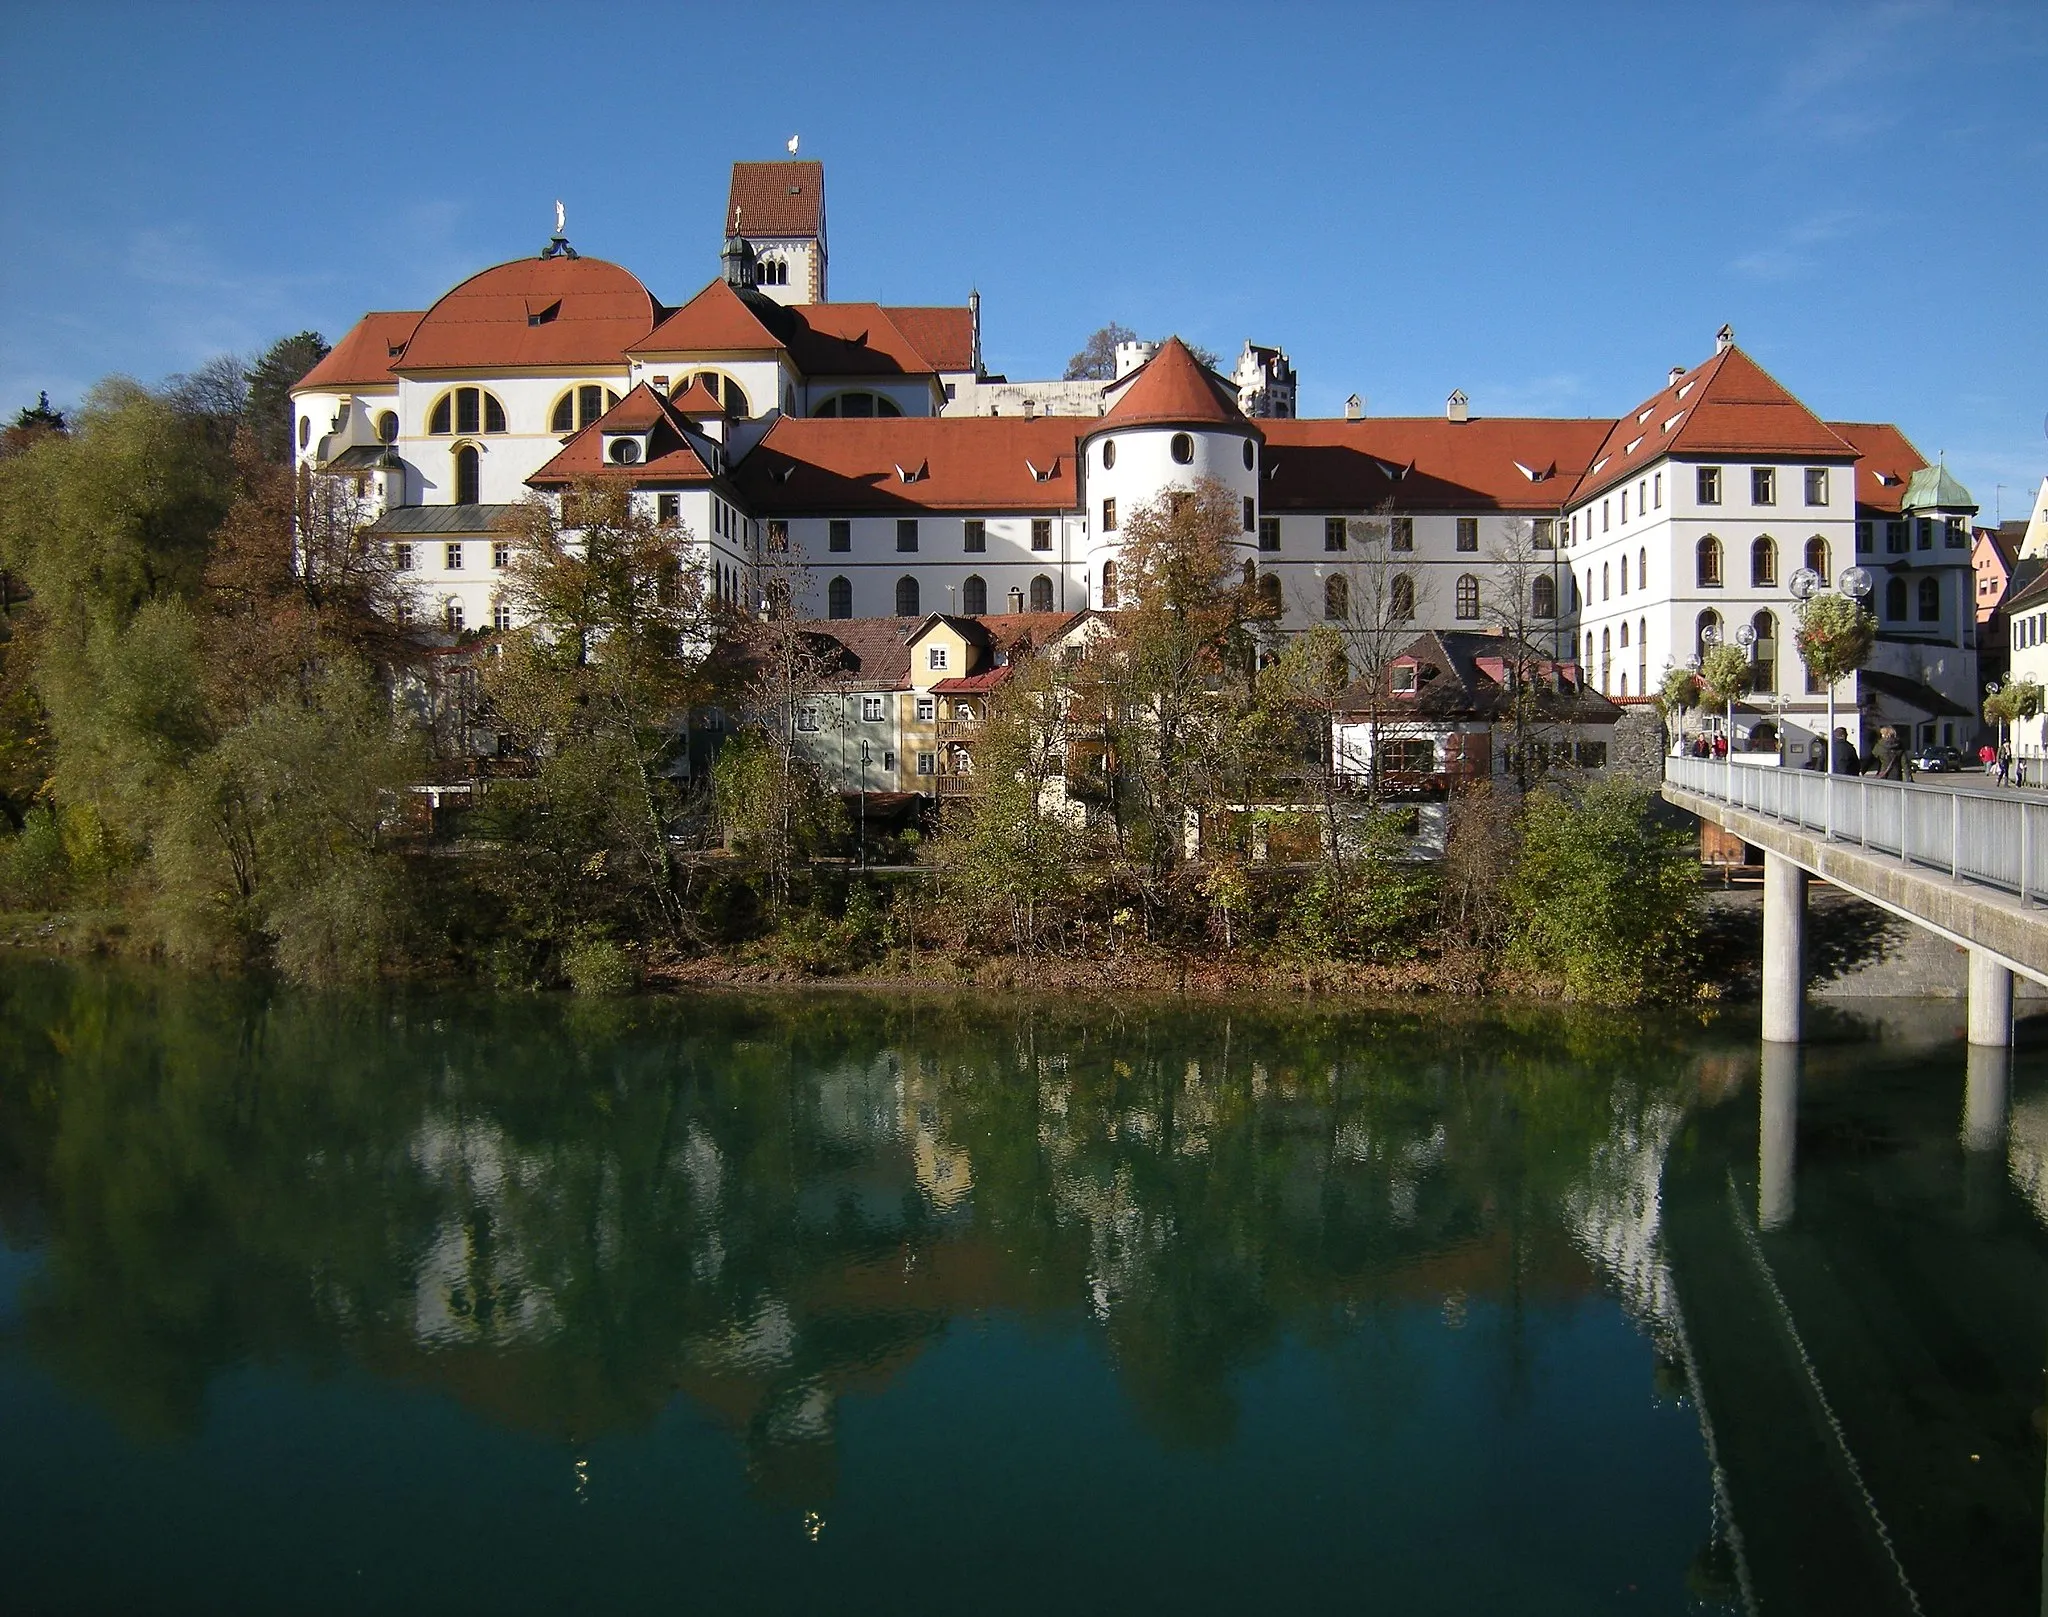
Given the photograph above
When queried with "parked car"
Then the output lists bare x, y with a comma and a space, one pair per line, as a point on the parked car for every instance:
1939, 761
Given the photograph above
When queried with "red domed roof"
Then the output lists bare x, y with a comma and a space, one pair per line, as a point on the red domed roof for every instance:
534, 312
1174, 388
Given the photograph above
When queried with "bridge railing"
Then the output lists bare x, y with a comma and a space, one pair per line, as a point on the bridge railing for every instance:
1990, 838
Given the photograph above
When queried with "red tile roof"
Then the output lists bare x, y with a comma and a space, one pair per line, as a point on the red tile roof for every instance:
954, 463
534, 312
776, 199
716, 321
850, 339
364, 357
697, 400
671, 455
1730, 405
1888, 463
1425, 463
1173, 387
943, 334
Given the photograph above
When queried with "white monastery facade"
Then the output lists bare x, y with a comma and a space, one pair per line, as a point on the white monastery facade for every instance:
869, 441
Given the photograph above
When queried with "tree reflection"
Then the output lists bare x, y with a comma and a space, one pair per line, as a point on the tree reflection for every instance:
566, 1217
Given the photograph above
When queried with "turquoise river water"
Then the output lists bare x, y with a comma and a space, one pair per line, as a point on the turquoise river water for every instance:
446, 1303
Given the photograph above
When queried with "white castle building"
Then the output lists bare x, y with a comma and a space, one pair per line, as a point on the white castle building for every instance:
761, 419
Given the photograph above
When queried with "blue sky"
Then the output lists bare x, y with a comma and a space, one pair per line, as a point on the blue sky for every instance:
1546, 205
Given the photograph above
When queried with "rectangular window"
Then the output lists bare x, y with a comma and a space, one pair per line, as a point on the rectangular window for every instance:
871, 709
935, 657
977, 535
839, 534
1709, 480
1269, 533
452, 555
1657, 492
1763, 485
455, 617
906, 533
1041, 533
927, 708
501, 617
401, 558
1955, 539
1334, 536
1923, 533
1468, 533
501, 556
778, 534
1109, 516
1543, 533
1816, 485
467, 404
1895, 538
807, 718
1606, 516
1402, 535
668, 509
927, 763
1404, 679
1251, 515
1863, 538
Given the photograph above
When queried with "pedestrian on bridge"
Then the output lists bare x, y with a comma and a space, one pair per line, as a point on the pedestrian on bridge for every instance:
1845, 761
1891, 755
2004, 762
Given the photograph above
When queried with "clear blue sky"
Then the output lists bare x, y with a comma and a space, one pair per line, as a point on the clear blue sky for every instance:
1546, 205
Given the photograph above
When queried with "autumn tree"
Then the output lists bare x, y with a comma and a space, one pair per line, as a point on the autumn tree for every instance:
1096, 362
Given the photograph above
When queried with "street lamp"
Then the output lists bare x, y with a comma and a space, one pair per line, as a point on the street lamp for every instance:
1856, 583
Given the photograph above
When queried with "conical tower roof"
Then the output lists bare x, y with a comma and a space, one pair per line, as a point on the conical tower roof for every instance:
1173, 388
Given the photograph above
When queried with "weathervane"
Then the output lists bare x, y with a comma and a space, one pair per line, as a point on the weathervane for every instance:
558, 244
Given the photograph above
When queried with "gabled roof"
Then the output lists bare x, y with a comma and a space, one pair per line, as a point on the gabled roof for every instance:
1425, 463
716, 321
944, 334
906, 464
1461, 676
534, 312
1174, 388
1887, 461
365, 356
1730, 405
850, 339
673, 455
697, 400
776, 199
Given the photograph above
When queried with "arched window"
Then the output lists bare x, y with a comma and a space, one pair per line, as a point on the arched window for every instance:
1589, 650
1016, 599
1108, 453
1041, 594
1605, 581
1108, 596
1624, 685
906, 597
839, 597
1251, 455
305, 430
1543, 596
1624, 572
1468, 595
1817, 556
387, 427
1643, 568
1182, 449
1606, 663
1763, 562
1269, 593
466, 410
1895, 600
771, 272
974, 595
1401, 599
1706, 631
468, 474
1336, 597
1707, 562
1930, 600
579, 407
851, 406
1642, 656
1765, 653
1624, 634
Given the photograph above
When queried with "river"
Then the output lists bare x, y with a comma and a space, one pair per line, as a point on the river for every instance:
445, 1302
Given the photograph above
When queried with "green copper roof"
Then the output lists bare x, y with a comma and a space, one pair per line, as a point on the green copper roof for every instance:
1932, 488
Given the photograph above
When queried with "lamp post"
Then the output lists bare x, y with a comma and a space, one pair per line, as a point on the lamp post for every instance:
1991, 689
1745, 637
1856, 583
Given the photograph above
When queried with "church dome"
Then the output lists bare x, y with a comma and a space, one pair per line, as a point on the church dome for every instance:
534, 312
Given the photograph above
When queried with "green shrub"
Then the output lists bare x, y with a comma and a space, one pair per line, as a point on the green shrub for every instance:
1371, 908
33, 866
1602, 899
599, 968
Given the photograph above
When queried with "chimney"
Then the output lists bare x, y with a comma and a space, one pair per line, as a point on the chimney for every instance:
1724, 339
1354, 408
1457, 407
974, 324
1677, 371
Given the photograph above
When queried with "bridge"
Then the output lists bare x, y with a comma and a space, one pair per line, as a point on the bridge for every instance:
1968, 862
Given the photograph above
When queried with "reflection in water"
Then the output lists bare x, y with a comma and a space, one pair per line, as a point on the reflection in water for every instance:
568, 1219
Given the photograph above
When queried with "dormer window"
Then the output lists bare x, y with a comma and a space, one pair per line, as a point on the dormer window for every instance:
1404, 679
623, 452
935, 659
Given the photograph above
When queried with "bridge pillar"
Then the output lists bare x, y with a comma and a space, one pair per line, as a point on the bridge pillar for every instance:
1777, 1154
1984, 1097
1784, 950
1990, 1000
